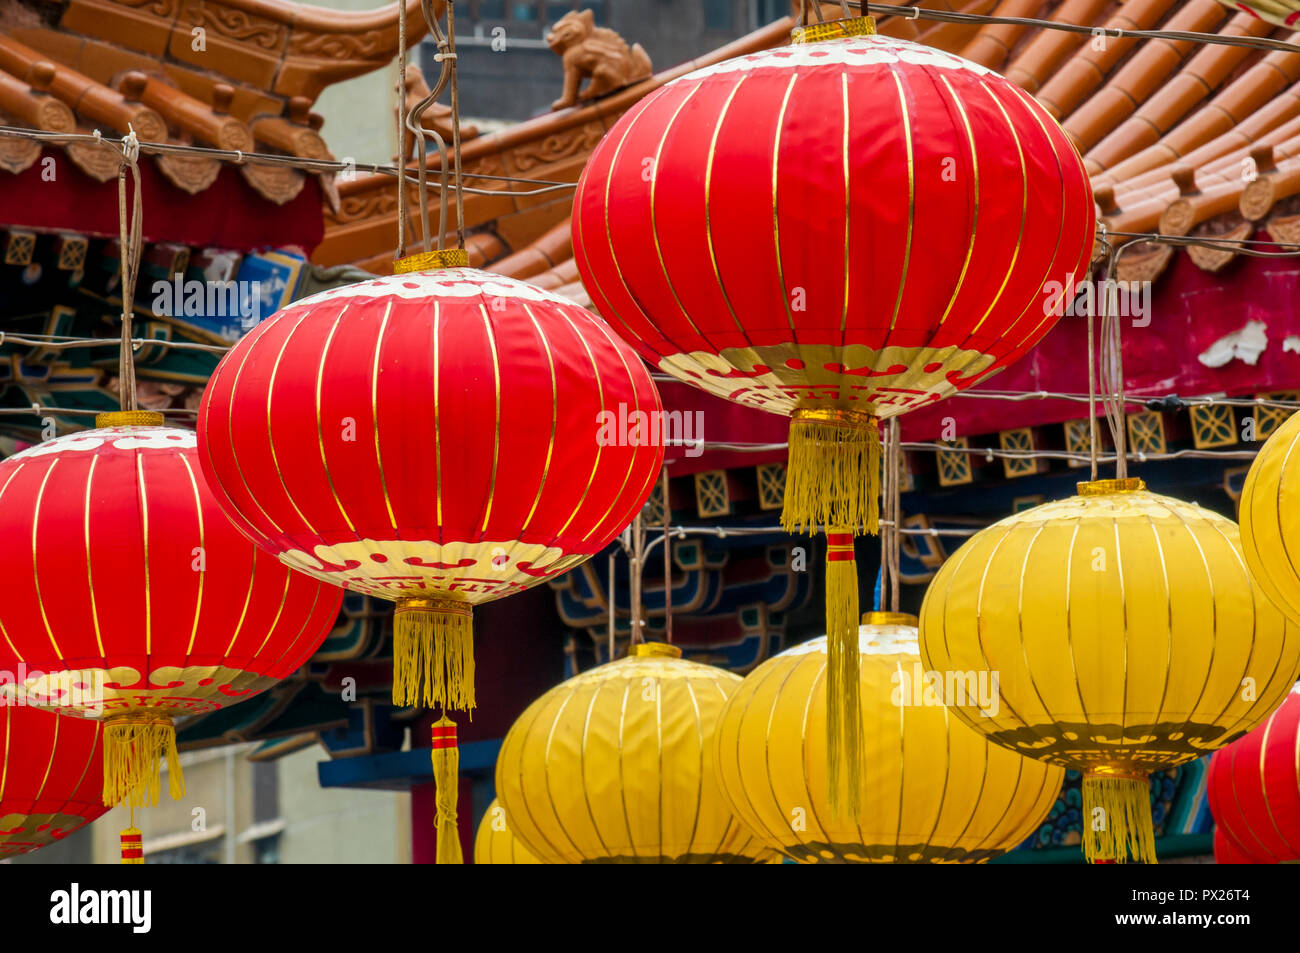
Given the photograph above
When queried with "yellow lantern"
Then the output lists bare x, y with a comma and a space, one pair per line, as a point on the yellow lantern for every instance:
496, 843
1126, 635
932, 790
616, 766
1270, 519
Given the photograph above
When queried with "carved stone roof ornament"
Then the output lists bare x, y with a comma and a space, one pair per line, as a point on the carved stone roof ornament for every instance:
597, 55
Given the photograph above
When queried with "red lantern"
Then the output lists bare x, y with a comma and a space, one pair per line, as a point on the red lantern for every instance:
53, 775
1254, 790
437, 438
841, 230
1227, 850
132, 599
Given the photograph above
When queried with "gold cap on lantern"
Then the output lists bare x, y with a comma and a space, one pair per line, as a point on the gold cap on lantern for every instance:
888, 618
1107, 487
834, 30
430, 260
129, 418
656, 649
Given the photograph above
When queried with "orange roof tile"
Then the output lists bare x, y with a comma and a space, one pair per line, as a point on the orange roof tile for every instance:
238, 75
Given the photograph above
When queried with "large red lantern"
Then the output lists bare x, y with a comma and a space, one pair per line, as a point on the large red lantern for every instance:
53, 775
840, 230
438, 438
1254, 790
131, 599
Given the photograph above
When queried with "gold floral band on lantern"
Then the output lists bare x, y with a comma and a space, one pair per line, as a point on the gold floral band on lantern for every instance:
834, 30
430, 260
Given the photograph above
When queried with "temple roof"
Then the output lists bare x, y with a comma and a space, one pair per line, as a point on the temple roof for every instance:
1180, 138
239, 75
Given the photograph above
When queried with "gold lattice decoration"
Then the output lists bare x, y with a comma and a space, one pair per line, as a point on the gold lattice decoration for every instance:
653, 511
1077, 440
1213, 425
72, 253
1146, 432
771, 485
711, 495
19, 247
1268, 419
1020, 440
954, 465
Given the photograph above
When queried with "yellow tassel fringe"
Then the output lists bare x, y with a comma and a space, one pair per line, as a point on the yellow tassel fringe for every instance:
433, 656
1122, 827
833, 474
134, 750
843, 710
446, 771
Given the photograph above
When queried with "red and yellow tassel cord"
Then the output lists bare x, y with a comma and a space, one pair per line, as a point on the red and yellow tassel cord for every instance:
833, 474
132, 846
446, 770
843, 709
1117, 818
433, 653
132, 843
136, 744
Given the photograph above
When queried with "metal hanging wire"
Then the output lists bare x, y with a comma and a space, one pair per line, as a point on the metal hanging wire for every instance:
132, 245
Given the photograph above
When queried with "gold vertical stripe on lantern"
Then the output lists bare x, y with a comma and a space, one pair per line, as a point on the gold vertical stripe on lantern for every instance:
933, 790
496, 843
1127, 636
616, 766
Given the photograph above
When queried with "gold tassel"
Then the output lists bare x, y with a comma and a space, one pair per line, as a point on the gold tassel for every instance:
833, 473
135, 746
433, 653
1117, 819
446, 770
843, 711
